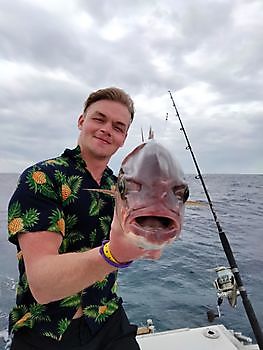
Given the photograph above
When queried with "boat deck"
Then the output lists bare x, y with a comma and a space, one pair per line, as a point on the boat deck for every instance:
215, 337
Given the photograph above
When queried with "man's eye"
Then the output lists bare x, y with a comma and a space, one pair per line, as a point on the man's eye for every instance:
119, 129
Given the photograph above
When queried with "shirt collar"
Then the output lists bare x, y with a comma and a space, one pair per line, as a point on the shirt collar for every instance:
75, 155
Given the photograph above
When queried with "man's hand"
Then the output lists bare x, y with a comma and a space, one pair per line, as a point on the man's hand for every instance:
124, 248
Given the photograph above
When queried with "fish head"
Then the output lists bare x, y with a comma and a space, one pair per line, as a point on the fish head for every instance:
150, 196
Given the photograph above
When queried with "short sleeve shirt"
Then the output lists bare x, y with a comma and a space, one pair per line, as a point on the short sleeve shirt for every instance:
54, 195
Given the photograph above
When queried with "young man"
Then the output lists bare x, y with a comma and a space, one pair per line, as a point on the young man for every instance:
66, 292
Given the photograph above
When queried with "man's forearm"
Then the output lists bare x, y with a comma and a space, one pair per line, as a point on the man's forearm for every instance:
54, 277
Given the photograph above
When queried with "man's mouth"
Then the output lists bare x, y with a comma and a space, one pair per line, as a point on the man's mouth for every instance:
103, 140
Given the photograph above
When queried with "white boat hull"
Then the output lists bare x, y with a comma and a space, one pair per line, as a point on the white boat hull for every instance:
215, 337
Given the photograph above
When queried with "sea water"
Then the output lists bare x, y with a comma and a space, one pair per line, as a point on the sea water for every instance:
177, 290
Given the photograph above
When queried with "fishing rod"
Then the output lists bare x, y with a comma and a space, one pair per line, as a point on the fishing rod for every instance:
226, 245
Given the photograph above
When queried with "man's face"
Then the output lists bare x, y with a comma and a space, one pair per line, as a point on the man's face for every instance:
103, 128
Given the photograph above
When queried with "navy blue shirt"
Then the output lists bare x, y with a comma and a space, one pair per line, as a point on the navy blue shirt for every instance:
53, 196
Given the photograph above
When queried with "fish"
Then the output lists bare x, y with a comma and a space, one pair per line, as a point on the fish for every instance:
151, 193
150, 196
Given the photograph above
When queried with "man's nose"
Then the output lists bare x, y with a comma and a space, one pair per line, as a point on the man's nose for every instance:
106, 129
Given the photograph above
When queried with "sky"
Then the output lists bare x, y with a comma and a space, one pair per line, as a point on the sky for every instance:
208, 53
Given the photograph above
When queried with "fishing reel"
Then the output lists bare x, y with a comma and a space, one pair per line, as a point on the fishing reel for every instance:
226, 287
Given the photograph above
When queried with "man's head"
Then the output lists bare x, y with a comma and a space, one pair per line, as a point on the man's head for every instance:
111, 94
104, 123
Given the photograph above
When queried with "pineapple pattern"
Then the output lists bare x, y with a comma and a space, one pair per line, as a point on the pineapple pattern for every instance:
65, 192
19, 221
39, 177
52, 196
24, 316
101, 312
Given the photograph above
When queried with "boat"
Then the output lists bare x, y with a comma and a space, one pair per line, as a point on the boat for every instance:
215, 337
201, 338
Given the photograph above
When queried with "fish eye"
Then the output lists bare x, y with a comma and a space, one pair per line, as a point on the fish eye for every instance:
133, 186
121, 187
181, 193
186, 194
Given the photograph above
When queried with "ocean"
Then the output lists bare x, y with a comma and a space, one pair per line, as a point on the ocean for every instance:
177, 290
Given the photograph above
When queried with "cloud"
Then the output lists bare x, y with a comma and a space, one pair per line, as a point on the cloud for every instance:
208, 53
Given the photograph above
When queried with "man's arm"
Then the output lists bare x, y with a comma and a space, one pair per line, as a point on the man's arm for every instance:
54, 276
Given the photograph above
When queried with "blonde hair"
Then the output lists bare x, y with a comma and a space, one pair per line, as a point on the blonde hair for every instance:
111, 94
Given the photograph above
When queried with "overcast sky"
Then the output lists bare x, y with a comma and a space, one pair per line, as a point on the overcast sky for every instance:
209, 53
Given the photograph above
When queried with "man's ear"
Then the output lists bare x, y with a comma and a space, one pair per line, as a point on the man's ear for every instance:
81, 121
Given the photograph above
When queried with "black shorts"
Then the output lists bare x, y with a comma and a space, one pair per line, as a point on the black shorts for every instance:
117, 334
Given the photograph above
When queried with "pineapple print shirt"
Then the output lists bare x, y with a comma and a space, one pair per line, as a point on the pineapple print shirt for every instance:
52, 196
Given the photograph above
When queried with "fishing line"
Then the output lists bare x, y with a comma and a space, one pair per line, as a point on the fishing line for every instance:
225, 243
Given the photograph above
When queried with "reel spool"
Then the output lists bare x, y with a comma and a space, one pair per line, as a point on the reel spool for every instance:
226, 287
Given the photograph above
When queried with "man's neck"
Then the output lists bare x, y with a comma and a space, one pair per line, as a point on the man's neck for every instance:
94, 165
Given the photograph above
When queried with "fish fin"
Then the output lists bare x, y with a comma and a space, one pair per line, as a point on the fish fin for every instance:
110, 192
151, 134
195, 203
142, 135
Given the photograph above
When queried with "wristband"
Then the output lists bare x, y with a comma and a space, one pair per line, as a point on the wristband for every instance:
108, 257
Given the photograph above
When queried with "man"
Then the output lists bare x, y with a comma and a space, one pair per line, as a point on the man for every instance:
66, 292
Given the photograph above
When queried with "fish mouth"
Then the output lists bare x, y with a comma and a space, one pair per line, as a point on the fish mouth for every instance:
154, 223
154, 232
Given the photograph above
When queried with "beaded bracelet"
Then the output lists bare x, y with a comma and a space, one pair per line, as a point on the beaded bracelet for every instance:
108, 257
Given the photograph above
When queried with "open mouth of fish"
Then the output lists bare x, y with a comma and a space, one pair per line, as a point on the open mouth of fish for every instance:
155, 223
154, 232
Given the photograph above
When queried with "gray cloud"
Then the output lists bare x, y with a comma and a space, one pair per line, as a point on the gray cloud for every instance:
208, 53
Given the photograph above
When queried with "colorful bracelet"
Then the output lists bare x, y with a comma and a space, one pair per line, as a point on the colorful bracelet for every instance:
107, 252
108, 257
